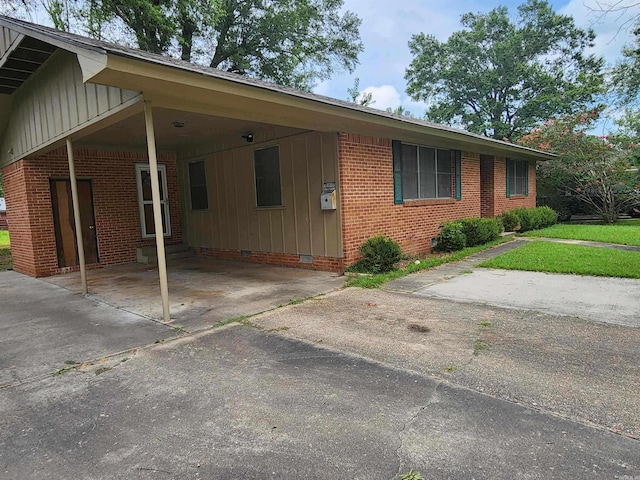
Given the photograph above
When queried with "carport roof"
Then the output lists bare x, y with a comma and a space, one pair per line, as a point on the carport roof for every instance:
110, 64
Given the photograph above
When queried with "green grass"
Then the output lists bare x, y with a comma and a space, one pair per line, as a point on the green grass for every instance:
376, 281
623, 233
552, 257
5, 251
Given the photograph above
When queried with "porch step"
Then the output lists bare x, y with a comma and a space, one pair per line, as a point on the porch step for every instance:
147, 254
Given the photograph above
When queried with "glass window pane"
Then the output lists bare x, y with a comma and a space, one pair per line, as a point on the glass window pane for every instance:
146, 185
444, 185
427, 185
198, 185
444, 161
427, 160
267, 171
409, 172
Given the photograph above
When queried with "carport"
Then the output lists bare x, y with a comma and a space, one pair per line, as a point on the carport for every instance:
204, 290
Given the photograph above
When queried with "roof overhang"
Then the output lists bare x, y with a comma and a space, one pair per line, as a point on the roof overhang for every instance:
173, 84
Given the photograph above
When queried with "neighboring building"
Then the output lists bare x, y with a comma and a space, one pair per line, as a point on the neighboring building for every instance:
243, 164
3, 214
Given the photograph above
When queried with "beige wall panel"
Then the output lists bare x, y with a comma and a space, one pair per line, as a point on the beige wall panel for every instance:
51, 103
300, 182
288, 200
332, 226
233, 222
316, 215
230, 199
264, 225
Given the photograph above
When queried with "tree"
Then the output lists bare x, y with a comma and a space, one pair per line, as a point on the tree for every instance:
625, 78
361, 98
499, 78
596, 171
293, 43
400, 110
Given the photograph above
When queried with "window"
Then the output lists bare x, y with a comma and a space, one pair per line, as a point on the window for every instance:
198, 186
145, 201
426, 173
517, 177
267, 170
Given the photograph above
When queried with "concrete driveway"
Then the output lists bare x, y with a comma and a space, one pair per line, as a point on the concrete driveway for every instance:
240, 403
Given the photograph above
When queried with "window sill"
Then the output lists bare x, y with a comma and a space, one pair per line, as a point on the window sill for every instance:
429, 202
277, 207
517, 197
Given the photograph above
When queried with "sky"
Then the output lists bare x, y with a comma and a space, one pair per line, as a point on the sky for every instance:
388, 26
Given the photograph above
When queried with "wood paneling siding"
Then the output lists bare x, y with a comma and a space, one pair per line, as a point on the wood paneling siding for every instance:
55, 102
8, 38
233, 222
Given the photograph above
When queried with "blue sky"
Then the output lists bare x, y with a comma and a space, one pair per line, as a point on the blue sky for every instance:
387, 27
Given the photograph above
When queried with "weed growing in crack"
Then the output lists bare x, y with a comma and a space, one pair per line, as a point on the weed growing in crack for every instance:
411, 475
485, 323
479, 346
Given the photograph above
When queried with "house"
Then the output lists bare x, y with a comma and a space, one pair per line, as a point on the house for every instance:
102, 146
3, 214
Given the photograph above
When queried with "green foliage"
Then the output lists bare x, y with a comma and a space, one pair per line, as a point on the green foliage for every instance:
625, 79
478, 231
376, 281
548, 216
412, 474
594, 171
623, 233
575, 259
361, 98
380, 254
451, 237
510, 221
530, 218
500, 77
294, 43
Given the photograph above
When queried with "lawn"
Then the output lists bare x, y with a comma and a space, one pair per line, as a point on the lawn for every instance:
624, 232
562, 258
5, 251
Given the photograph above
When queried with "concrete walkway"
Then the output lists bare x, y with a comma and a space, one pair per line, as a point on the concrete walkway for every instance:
615, 246
603, 299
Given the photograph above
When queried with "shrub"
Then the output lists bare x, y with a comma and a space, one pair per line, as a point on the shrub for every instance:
548, 216
380, 254
529, 218
510, 221
478, 231
451, 237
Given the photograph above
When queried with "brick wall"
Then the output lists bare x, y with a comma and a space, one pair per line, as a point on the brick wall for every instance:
115, 199
487, 195
3, 220
330, 264
366, 187
501, 202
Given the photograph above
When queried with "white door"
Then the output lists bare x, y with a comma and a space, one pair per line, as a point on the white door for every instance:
145, 202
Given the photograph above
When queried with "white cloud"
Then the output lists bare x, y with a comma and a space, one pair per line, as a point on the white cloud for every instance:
384, 96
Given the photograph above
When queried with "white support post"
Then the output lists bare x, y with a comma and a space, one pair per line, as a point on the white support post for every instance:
157, 211
76, 216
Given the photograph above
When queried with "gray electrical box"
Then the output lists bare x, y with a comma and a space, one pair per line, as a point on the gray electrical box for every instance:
328, 196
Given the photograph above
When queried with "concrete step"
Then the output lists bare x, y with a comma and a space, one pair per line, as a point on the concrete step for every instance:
147, 255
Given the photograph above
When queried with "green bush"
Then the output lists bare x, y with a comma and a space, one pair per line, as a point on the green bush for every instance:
548, 216
479, 231
380, 254
451, 237
510, 221
529, 218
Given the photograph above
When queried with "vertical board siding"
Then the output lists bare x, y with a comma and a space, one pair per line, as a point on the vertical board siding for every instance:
55, 101
298, 227
7, 38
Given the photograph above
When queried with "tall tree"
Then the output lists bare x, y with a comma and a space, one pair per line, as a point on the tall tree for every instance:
625, 78
293, 43
499, 77
595, 171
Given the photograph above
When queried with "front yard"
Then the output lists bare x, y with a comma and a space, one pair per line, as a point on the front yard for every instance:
552, 257
541, 256
626, 232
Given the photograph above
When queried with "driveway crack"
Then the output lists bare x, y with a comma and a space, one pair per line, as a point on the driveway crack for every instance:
432, 399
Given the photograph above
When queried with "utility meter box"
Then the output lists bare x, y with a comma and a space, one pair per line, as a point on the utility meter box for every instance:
328, 196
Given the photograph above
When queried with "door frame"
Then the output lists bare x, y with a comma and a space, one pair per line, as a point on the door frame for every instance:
162, 169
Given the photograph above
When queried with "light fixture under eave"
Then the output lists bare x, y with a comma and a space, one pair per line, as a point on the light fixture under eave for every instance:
248, 137
179, 124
